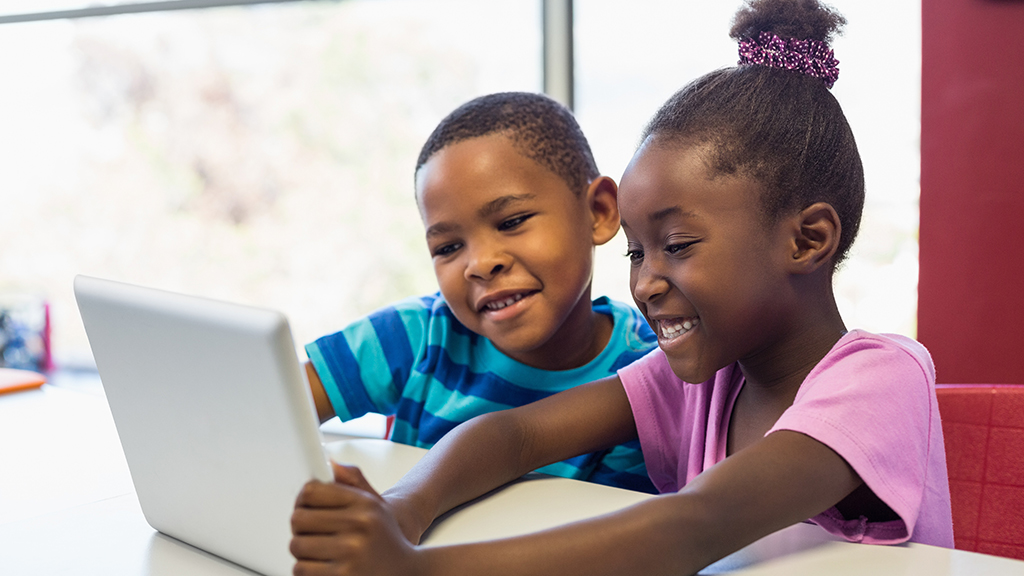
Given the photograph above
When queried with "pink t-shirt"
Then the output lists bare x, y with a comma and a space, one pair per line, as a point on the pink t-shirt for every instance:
871, 399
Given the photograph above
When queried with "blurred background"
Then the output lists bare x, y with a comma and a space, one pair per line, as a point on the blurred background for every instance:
264, 154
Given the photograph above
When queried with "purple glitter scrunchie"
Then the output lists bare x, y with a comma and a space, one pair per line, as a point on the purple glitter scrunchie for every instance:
811, 57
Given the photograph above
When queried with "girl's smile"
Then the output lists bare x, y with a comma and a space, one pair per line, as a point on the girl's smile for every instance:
672, 329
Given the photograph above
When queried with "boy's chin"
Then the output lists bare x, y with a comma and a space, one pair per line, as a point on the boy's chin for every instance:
524, 348
515, 346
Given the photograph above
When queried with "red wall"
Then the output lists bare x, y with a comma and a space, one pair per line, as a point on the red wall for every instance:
971, 289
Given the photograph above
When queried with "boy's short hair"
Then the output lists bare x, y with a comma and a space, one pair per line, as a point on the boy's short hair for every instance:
539, 128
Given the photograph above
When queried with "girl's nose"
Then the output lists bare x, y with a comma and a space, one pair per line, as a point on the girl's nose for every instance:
486, 262
647, 283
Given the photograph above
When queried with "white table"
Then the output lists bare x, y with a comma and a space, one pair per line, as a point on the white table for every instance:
67, 507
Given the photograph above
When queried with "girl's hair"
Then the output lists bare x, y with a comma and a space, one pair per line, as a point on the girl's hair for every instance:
781, 127
539, 128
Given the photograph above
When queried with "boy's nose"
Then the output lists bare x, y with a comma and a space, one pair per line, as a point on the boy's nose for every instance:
487, 263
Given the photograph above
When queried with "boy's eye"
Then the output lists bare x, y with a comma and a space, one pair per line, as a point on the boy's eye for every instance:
513, 222
447, 249
635, 255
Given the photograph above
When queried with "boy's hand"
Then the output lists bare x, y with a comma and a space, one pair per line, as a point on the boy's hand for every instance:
345, 527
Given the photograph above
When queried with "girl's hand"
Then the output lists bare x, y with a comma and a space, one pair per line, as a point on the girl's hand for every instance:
345, 527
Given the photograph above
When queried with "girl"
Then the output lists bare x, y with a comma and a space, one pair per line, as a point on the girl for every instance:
758, 410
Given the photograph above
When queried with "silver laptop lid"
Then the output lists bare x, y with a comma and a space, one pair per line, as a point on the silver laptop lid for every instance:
214, 415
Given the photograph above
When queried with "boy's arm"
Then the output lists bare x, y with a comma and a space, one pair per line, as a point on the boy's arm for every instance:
324, 410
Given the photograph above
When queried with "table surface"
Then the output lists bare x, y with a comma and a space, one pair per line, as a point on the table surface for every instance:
67, 506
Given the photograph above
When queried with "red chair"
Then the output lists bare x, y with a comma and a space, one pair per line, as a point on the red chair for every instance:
983, 427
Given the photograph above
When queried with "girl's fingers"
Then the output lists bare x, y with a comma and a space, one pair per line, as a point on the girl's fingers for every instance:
348, 482
323, 548
316, 494
360, 544
308, 568
343, 527
308, 521
332, 520
351, 476
314, 547
321, 568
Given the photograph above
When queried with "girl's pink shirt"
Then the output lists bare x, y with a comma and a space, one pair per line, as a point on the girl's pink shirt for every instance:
871, 399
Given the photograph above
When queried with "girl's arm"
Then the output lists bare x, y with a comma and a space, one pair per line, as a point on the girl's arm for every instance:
782, 479
474, 458
494, 449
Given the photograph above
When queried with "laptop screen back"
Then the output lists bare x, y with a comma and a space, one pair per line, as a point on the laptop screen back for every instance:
214, 416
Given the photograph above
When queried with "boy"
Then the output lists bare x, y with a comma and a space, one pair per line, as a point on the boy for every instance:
513, 206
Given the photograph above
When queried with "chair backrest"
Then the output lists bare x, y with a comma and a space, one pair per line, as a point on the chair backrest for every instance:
983, 428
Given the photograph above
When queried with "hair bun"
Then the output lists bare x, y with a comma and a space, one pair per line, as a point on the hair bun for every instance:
796, 19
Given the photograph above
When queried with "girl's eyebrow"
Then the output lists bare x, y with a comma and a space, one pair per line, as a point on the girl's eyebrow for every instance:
675, 211
664, 213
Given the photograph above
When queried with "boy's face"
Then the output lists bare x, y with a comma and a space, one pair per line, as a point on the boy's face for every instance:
706, 271
512, 246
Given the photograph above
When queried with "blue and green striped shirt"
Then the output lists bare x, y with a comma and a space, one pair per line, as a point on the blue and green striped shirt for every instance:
417, 361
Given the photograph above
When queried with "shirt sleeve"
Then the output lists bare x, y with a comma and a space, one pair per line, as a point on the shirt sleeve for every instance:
870, 402
364, 367
660, 412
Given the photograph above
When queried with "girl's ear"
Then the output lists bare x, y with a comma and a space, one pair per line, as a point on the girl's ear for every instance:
602, 201
816, 234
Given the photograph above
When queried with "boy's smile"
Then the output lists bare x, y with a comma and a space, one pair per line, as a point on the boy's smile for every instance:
513, 251
504, 304
703, 262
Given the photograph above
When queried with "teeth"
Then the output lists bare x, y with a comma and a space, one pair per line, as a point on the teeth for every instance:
498, 305
673, 328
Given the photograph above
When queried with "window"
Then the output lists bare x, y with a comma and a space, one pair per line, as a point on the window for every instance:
264, 154
256, 154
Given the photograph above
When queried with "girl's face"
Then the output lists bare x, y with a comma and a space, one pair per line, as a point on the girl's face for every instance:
705, 269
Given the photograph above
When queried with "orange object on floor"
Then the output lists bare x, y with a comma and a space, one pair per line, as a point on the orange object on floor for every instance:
12, 380
983, 428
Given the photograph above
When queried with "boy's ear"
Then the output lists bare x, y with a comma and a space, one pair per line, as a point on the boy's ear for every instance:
816, 232
602, 201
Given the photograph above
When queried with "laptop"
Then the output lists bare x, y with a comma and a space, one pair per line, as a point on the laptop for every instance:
214, 415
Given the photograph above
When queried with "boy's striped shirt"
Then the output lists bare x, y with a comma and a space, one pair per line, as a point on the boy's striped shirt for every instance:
417, 361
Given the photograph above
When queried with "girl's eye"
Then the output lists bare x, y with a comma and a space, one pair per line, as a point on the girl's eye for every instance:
635, 255
513, 222
447, 249
676, 248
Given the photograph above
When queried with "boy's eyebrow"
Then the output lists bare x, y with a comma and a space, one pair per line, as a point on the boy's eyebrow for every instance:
499, 204
440, 229
489, 209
